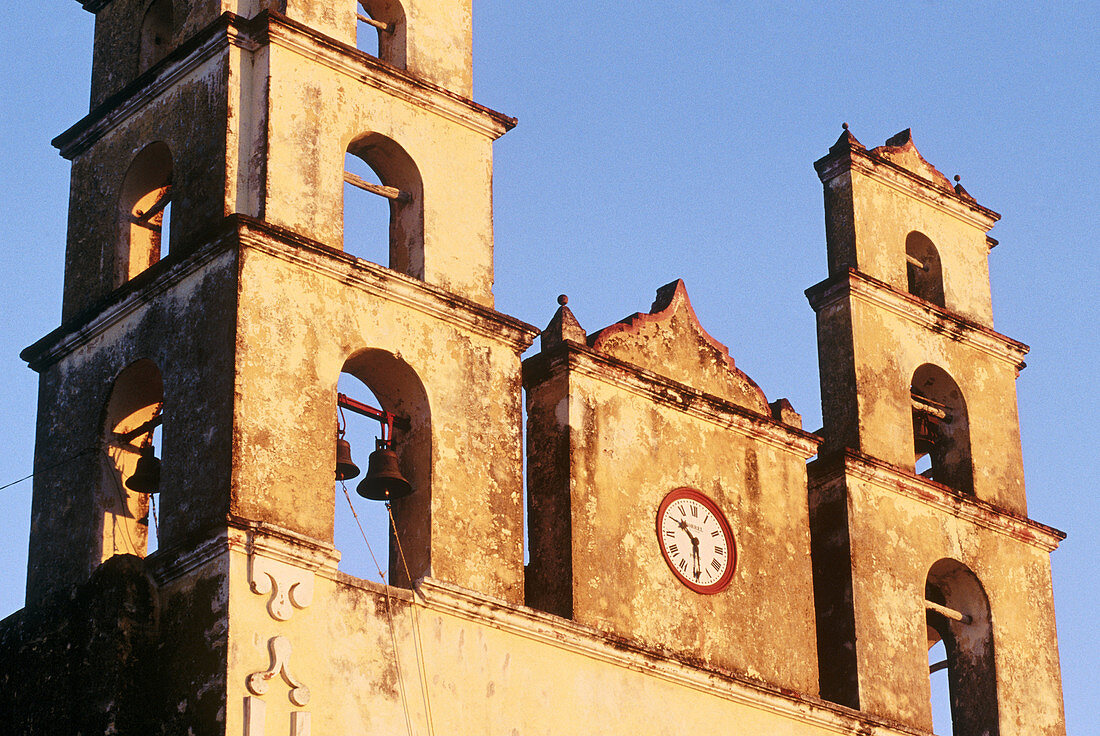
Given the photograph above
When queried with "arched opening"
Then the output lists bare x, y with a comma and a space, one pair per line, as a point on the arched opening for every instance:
958, 618
923, 270
941, 430
380, 30
156, 34
387, 383
937, 681
399, 184
131, 429
144, 207
366, 214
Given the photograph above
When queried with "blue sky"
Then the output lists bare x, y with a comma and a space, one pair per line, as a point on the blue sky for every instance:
658, 142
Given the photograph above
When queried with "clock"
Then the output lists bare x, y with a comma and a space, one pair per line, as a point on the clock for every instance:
696, 541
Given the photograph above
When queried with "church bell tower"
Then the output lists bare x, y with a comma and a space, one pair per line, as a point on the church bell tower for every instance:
211, 304
918, 517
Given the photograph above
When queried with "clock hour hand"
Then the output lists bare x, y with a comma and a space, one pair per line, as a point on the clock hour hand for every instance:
692, 537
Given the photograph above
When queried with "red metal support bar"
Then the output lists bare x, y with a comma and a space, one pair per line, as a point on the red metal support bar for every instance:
388, 419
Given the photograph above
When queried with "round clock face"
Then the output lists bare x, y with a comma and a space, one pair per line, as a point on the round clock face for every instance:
696, 540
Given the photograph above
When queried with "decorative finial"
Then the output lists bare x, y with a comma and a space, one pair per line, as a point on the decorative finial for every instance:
563, 299
957, 178
844, 125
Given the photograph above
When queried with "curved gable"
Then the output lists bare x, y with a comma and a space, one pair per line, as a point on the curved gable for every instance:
901, 151
670, 341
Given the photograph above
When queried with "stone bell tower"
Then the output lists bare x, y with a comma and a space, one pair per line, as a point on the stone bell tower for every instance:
211, 304
918, 515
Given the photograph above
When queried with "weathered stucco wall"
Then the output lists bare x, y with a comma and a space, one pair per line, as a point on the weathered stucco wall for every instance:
884, 336
874, 199
894, 350
179, 315
435, 36
471, 665
304, 312
607, 441
240, 623
890, 564
315, 116
103, 148
120, 653
277, 117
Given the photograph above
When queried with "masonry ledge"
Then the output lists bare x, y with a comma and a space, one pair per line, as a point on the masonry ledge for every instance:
386, 283
139, 291
563, 634
902, 180
241, 231
669, 393
960, 505
161, 77
346, 59
918, 311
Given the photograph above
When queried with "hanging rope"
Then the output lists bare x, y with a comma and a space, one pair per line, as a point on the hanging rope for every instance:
374, 559
153, 513
389, 613
118, 488
418, 642
112, 470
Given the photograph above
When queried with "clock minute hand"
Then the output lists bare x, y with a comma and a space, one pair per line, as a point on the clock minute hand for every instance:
696, 570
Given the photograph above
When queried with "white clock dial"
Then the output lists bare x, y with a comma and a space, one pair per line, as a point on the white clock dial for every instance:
696, 540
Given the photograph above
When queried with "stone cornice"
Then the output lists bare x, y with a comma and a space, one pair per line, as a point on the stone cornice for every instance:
405, 290
215, 38
559, 633
583, 360
230, 30
287, 33
859, 286
900, 179
239, 231
245, 538
94, 6
122, 302
960, 505
168, 564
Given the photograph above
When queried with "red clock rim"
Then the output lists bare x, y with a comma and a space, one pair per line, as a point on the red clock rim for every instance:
721, 583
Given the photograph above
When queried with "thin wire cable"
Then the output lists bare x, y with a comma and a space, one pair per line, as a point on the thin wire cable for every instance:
418, 642
389, 613
85, 451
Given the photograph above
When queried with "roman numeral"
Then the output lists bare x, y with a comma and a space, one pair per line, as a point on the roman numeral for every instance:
716, 565
695, 511
683, 565
706, 519
673, 549
669, 533
720, 550
716, 532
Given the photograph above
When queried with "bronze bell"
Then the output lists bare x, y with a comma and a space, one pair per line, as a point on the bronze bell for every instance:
146, 477
346, 469
925, 434
383, 481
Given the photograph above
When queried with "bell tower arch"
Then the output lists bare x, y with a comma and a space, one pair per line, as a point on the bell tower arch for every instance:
921, 459
222, 126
